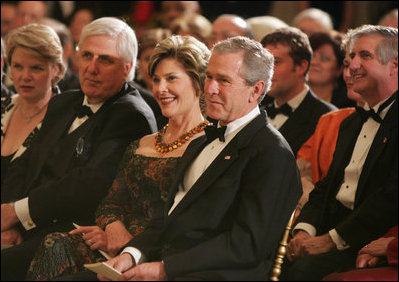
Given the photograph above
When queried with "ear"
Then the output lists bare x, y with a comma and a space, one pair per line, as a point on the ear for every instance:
258, 88
394, 67
127, 68
302, 67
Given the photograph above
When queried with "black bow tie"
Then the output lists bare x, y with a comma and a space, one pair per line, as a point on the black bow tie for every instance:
365, 115
272, 111
83, 110
375, 115
213, 132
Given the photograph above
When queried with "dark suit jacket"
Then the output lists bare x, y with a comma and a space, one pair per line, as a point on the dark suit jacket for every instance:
303, 121
230, 222
376, 200
66, 175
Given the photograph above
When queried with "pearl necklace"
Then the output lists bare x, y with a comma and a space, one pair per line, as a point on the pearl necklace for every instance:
166, 148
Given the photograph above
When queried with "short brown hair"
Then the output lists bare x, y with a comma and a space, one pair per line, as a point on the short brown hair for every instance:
295, 39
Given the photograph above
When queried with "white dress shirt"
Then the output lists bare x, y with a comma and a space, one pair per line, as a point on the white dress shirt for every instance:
200, 164
347, 191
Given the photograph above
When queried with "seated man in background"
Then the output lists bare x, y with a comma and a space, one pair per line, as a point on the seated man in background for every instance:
292, 107
74, 158
357, 201
230, 202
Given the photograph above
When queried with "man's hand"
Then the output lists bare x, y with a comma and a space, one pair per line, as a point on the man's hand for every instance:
8, 217
295, 246
318, 245
11, 237
122, 263
117, 237
304, 245
152, 271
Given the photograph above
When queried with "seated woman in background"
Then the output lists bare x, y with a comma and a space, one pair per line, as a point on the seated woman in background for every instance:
315, 156
147, 43
325, 72
34, 56
139, 191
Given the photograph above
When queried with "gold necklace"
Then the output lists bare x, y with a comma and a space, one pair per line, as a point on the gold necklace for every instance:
29, 118
166, 148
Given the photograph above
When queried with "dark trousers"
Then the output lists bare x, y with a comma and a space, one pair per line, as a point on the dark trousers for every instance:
314, 268
15, 261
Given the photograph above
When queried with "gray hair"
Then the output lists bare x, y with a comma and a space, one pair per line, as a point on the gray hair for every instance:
258, 63
388, 47
323, 18
127, 47
39, 38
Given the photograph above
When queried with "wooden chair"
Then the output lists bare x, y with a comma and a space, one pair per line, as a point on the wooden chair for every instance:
282, 250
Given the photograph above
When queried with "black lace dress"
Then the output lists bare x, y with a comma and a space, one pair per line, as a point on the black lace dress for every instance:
137, 195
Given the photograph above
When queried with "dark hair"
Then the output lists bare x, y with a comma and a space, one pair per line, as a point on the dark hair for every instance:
319, 39
295, 39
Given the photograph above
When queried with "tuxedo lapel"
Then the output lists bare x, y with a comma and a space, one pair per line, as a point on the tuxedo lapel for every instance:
217, 168
299, 117
55, 126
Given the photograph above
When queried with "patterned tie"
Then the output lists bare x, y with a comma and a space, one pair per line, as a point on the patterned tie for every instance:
83, 110
272, 111
213, 132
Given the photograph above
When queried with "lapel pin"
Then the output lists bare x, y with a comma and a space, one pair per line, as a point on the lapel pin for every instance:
384, 140
227, 157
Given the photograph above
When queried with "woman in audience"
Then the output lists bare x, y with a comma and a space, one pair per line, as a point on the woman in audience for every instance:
141, 187
194, 25
147, 43
325, 72
34, 56
315, 156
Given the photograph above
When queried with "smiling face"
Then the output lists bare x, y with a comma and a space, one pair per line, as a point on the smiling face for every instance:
102, 71
368, 73
227, 95
31, 74
324, 69
173, 89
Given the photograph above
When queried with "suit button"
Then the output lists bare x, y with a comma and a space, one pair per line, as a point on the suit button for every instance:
55, 220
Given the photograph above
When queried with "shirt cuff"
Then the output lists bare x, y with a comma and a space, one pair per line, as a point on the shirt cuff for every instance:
22, 211
135, 253
305, 227
338, 241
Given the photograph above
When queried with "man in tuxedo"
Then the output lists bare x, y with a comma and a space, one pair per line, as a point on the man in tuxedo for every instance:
233, 193
290, 105
73, 161
357, 201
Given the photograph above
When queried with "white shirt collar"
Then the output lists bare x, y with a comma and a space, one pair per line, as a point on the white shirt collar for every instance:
297, 100
93, 107
232, 126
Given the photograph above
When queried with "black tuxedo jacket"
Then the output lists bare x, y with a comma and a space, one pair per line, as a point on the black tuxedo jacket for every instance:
66, 175
227, 227
302, 123
376, 199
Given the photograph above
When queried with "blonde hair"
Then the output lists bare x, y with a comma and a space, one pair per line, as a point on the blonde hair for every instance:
41, 39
